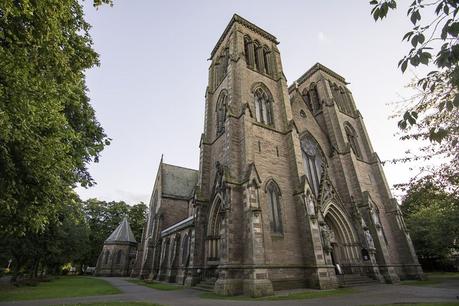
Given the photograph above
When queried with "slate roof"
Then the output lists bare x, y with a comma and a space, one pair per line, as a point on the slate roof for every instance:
123, 233
178, 181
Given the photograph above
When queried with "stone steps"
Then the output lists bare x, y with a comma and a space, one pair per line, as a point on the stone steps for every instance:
206, 285
353, 280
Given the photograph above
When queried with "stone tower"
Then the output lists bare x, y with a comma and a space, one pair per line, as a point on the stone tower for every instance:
250, 170
289, 191
118, 253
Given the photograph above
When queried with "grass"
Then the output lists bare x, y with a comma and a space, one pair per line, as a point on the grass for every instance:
424, 304
115, 304
68, 286
433, 279
291, 296
156, 285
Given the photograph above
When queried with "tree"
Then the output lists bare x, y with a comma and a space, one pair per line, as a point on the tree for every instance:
432, 216
62, 241
137, 218
103, 217
48, 129
432, 113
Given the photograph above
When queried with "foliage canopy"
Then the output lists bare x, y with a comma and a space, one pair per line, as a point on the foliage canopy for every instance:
432, 114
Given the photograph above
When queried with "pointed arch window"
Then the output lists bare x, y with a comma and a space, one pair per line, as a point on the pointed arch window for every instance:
248, 50
351, 136
215, 230
311, 98
185, 249
267, 60
107, 256
263, 107
118, 257
273, 194
312, 163
257, 53
221, 113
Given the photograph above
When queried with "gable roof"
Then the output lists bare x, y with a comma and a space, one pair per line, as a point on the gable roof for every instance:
178, 181
123, 233
313, 70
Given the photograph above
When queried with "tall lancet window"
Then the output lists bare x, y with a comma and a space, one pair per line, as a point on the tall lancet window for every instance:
263, 107
312, 162
248, 50
221, 113
274, 206
352, 139
267, 60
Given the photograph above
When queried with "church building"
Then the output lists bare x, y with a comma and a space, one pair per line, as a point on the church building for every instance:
289, 191
118, 253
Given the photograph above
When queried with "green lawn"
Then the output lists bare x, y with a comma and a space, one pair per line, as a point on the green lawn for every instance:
433, 279
68, 286
424, 304
156, 285
115, 304
291, 296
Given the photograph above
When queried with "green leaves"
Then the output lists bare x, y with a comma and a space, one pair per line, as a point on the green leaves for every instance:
48, 129
432, 216
381, 8
415, 16
408, 118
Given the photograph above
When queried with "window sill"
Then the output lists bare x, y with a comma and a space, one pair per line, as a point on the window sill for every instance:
262, 73
269, 127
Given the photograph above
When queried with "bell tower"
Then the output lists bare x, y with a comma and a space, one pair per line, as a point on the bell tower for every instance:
250, 223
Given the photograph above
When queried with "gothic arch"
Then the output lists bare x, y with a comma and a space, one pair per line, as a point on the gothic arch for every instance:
107, 256
270, 180
352, 138
223, 93
263, 101
267, 59
214, 228
215, 210
185, 248
249, 51
221, 111
345, 245
273, 201
306, 134
314, 162
119, 255
263, 86
256, 46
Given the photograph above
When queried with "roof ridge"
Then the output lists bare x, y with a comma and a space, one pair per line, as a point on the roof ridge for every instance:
166, 164
316, 67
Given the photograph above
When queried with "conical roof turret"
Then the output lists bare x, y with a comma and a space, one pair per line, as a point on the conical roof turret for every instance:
123, 233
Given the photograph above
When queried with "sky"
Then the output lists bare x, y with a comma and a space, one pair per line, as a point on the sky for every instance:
148, 91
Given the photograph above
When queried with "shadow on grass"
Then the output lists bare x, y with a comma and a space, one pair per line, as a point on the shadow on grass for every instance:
155, 285
67, 286
433, 279
290, 296
114, 304
421, 304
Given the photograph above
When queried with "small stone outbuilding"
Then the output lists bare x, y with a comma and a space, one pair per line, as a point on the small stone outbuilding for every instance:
118, 254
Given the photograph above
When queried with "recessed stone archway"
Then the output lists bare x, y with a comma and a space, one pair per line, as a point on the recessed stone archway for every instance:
345, 244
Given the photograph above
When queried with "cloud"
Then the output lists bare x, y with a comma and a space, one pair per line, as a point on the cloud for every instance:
322, 38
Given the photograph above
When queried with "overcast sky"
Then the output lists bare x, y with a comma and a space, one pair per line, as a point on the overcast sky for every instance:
148, 92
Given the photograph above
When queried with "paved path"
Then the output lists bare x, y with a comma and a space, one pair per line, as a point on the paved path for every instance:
366, 295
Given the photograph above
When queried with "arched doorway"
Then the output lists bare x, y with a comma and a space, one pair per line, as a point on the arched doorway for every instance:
214, 235
345, 246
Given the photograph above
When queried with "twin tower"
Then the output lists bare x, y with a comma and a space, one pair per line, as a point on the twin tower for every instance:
289, 192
